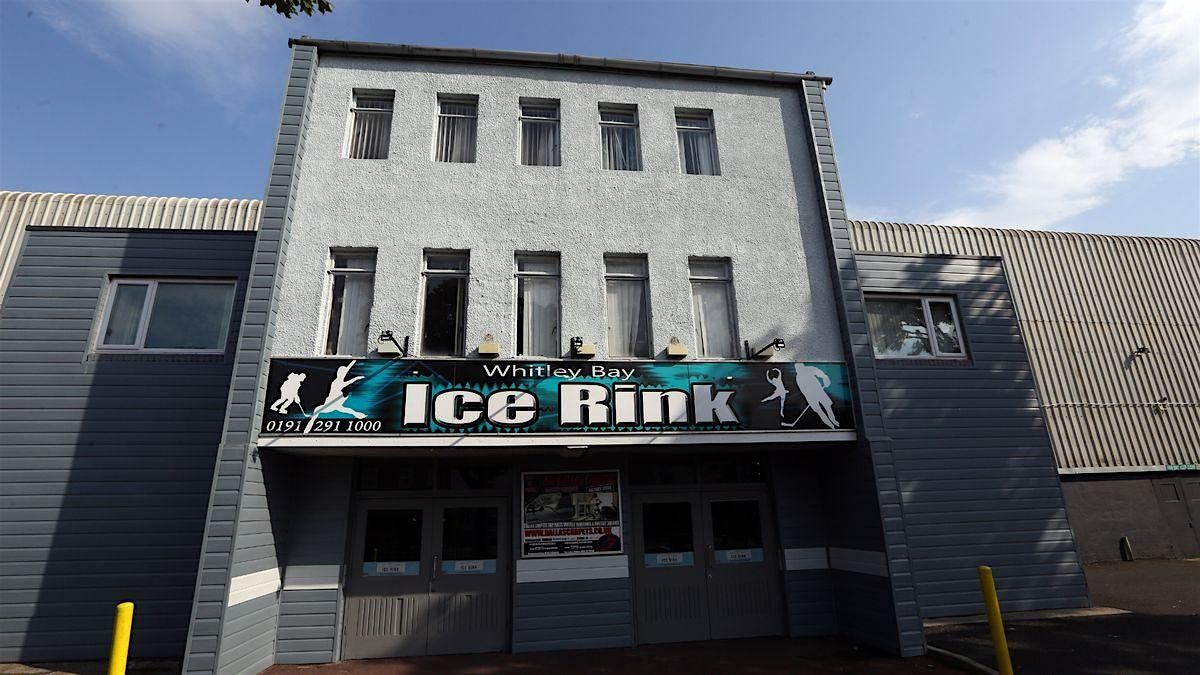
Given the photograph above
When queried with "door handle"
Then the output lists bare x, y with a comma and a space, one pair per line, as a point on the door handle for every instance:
437, 568
710, 557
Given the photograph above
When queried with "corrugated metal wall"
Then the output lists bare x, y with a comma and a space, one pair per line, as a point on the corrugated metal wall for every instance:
19, 210
1086, 303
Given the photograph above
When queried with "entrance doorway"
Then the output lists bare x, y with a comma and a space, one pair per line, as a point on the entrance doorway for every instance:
428, 576
707, 566
1179, 501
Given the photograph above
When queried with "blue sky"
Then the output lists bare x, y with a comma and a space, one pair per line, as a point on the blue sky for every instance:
1074, 116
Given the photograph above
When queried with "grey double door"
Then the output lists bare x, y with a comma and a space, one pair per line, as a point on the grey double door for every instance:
707, 567
428, 577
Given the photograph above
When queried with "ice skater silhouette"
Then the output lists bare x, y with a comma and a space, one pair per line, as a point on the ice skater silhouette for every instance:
336, 400
812, 383
775, 377
289, 394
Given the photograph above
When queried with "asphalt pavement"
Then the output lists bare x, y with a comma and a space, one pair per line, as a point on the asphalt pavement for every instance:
1147, 620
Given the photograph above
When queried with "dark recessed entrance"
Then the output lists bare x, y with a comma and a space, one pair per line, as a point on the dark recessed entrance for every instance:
707, 559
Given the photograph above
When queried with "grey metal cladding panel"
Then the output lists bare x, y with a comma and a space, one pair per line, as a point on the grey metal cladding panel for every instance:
88, 503
241, 420
811, 605
1004, 506
873, 440
860, 615
318, 516
307, 626
592, 614
1085, 301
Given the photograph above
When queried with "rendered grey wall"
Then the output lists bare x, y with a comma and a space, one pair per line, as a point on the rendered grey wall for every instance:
973, 461
105, 459
240, 535
866, 511
762, 210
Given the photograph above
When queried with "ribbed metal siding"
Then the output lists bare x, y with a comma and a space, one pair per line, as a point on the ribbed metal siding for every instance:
19, 210
1085, 303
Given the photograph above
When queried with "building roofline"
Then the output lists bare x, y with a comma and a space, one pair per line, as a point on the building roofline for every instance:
550, 60
977, 230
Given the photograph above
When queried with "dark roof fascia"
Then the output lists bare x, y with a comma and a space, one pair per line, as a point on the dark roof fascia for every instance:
548, 60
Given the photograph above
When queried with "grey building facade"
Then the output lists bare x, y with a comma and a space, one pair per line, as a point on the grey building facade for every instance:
1109, 325
545, 352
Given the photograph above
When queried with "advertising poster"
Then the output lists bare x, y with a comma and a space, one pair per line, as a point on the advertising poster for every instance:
343, 397
569, 513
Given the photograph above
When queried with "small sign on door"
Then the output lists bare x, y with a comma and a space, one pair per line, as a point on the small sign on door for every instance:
677, 559
391, 569
740, 555
468, 566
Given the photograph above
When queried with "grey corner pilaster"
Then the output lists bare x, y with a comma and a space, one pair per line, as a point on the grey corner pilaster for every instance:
910, 634
238, 476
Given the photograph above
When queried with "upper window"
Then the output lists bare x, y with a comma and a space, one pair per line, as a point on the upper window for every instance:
539, 133
445, 315
628, 301
166, 315
697, 142
456, 128
371, 130
619, 141
712, 307
914, 327
538, 306
353, 289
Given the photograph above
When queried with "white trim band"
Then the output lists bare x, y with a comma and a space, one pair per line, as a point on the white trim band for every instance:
551, 440
806, 558
251, 586
858, 560
533, 570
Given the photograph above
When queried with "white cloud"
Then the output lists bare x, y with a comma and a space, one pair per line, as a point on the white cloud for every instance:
219, 43
1155, 125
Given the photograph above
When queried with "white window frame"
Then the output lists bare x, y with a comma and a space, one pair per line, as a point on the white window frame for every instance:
522, 117
472, 99
935, 352
327, 303
636, 125
727, 282
463, 273
697, 114
355, 95
147, 309
645, 277
518, 274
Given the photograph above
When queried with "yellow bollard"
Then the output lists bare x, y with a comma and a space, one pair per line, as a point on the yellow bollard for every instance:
119, 654
995, 622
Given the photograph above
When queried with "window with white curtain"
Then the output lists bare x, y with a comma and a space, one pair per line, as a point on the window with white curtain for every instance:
619, 143
712, 307
456, 128
914, 327
628, 304
444, 319
371, 129
539, 133
352, 291
166, 315
697, 142
538, 306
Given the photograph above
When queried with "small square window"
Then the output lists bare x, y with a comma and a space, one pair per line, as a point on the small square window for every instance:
457, 120
371, 127
540, 133
620, 143
914, 327
697, 142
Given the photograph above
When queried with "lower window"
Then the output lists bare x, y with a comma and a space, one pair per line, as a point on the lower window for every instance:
914, 327
166, 315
